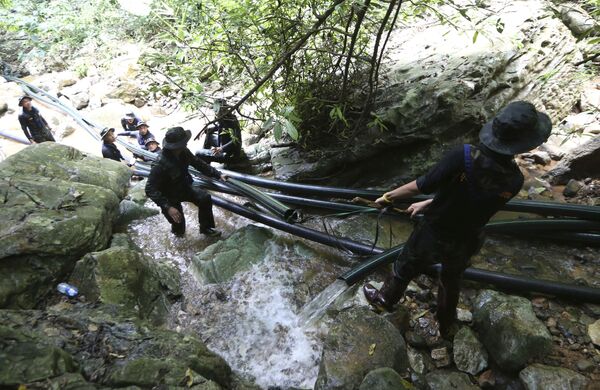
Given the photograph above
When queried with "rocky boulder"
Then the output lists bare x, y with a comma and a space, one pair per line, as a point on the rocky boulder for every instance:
509, 329
469, 354
72, 342
223, 259
130, 211
449, 380
137, 193
580, 163
540, 377
54, 210
384, 379
358, 342
126, 277
440, 85
56, 161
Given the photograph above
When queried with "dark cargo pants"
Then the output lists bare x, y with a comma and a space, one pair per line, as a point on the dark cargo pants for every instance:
424, 248
204, 203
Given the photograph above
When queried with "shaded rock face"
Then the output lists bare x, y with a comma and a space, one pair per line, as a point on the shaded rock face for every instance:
541, 377
130, 211
449, 380
55, 161
248, 246
56, 208
582, 162
439, 87
384, 379
358, 342
222, 260
81, 347
126, 277
509, 329
469, 354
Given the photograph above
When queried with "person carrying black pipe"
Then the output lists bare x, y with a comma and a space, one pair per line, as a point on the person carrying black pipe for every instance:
34, 125
170, 183
130, 122
141, 133
470, 183
223, 142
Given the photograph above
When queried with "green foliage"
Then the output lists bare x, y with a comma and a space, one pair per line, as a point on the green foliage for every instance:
237, 42
64, 27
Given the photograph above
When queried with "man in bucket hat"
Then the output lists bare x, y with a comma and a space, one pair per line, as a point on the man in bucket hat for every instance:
142, 134
170, 183
470, 184
109, 149
130, 122
33, 124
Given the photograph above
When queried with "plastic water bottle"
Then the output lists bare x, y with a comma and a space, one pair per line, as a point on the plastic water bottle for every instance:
67, 290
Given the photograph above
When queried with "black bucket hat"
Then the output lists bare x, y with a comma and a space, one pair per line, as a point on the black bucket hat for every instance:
518, 128
105, 131
176, 138
23, 98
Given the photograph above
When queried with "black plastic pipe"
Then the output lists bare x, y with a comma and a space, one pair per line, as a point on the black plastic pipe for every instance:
541, 225
515, 283
592, 239
272, 205
297, 230
510, 282
530, 206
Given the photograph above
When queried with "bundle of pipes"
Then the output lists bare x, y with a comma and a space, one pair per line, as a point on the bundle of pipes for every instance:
592, 214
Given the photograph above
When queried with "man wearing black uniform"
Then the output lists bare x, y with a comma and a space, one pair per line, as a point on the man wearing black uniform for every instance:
142, 134
34, 125
130, 122
109, 149
170, 183
471, 183
223, 142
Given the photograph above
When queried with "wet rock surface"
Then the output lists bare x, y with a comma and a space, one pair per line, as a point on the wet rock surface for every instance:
130, 211
127, 278
580, 163
358, 342
541, 377
55, 209
83, 345
469, 354
449, 380
439, 86
384, 379
509, 329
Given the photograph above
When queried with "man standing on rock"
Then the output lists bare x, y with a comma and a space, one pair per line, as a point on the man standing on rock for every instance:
34, 125
471, 183
170, 183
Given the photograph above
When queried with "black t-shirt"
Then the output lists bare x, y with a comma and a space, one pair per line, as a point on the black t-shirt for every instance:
465, 199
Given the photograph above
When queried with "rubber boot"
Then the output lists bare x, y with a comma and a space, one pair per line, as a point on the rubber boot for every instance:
389, 294
448, 294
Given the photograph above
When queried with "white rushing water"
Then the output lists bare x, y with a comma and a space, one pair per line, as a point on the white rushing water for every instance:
256, 329
253, 321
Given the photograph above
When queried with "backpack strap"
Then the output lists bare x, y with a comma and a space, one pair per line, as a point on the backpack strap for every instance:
469, 172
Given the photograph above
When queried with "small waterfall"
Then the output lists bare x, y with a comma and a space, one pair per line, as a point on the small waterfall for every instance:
315, 309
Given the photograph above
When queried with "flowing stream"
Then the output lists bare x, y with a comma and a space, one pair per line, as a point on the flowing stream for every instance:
256, 321
265, 321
